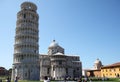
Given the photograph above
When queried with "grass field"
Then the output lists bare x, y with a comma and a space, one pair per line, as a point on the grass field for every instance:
111, 80
105, 81
61, 81
68, 81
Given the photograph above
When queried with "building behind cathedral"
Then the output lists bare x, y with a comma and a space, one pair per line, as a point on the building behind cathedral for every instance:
103, 71
28, 64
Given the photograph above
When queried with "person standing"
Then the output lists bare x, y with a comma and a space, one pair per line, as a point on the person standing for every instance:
8, 79
46, 79
16, 79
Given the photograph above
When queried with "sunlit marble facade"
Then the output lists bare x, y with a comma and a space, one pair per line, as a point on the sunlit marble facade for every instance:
26, 47
57, 65
28, 64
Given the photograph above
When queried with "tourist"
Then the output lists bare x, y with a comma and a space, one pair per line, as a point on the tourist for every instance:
16, 79
46, 79
8, 79
85, 79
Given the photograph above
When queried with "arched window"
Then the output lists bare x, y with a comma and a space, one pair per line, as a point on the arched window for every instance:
24, 16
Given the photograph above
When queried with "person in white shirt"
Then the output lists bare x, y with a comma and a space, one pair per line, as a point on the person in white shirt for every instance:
46, 79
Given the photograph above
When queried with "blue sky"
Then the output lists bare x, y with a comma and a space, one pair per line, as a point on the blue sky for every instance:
88, 28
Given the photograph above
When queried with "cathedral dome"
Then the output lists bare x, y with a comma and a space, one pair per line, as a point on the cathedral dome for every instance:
97, 61
53, 44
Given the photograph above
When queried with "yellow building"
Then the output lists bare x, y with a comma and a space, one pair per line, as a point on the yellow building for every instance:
112, 70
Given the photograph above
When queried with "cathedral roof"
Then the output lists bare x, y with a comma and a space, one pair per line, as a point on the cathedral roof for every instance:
59, 53
112, 65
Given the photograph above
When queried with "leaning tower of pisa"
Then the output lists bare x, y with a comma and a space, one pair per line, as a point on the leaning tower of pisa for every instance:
26, 48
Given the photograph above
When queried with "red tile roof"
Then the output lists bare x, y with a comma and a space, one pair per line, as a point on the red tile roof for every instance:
112, 65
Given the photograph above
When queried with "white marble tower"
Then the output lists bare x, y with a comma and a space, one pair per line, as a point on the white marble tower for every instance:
26, 47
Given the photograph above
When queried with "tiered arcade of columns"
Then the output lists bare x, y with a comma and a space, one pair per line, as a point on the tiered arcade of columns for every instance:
26, 47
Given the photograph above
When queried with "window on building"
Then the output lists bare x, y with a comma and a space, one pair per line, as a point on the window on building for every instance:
109, 69
66, 70
73, 71
24, 15
106, 70
22, 57
76, 58
118, 75
25, 74
114, 70
77, 68
60, 62
103, 70
35, 51
48, 70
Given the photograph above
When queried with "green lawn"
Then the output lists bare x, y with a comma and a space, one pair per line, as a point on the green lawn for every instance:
63, 81
111, 80
105, 81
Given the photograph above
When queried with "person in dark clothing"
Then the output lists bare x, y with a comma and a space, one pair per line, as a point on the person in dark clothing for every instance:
16, 79
8, 79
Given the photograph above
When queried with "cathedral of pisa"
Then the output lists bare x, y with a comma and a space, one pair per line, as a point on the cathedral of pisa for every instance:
28, 64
